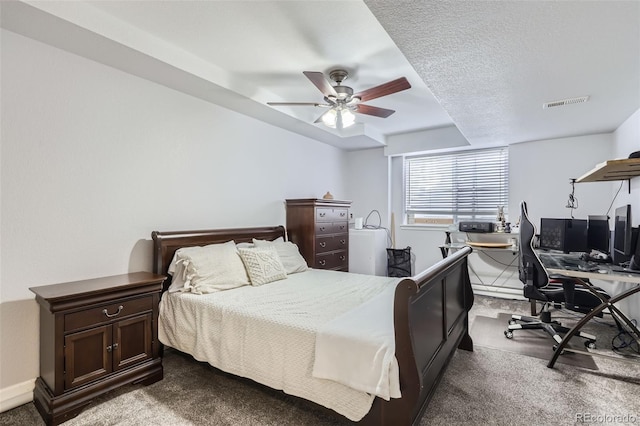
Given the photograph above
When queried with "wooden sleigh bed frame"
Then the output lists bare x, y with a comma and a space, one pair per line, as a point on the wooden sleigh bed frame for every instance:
430, 318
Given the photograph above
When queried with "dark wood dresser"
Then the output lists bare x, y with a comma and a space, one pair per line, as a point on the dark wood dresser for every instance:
320, 228
95, 335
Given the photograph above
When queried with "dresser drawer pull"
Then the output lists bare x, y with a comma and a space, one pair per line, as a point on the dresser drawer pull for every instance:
322, 262
322, 228
108, 315
342, 214
323, 244
341, 227
343, 241
322, 214
343, 257
112, 347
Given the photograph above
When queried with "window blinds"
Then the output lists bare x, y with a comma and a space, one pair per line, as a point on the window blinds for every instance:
462, 185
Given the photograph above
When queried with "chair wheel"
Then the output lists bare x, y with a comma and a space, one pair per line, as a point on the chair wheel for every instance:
508, 334
590, 344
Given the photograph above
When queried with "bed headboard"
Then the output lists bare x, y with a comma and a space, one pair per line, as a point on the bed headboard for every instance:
165, 244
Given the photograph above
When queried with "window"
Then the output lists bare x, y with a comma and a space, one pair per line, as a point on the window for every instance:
448, 188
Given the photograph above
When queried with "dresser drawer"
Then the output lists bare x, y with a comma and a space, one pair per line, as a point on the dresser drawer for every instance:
107, 313
331, 243
326, 228
335, 260
327, 214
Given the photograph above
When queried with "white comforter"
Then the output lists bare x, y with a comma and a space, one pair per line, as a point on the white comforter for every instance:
268, 333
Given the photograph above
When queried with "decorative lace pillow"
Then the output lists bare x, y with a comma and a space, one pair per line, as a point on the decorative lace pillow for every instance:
263, 265
288, 252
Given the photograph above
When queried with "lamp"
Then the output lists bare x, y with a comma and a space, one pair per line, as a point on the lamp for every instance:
339, 117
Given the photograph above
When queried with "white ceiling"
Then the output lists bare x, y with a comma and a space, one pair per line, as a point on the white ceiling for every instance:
490, 65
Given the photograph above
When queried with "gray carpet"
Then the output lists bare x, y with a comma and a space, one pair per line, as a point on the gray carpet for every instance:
484, 387
489, 332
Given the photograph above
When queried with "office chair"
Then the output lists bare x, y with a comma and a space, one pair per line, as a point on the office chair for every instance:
538, 286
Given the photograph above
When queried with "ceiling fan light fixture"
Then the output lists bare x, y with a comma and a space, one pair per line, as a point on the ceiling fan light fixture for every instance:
330, 118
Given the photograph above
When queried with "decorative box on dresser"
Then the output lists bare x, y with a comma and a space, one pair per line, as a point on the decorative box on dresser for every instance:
95, 335
320, 228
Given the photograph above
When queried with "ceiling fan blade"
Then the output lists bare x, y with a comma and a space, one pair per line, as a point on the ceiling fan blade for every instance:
384, 89
319, 80
295, 104
375, 111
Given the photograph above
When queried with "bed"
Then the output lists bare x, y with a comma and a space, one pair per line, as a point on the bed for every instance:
429, 314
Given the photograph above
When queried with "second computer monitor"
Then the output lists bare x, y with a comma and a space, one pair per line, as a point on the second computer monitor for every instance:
598, 234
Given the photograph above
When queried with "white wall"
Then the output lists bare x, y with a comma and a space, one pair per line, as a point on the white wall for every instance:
94, 159
367, 184
626, 139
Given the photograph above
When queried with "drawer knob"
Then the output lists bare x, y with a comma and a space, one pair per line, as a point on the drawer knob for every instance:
322, 228
112, 347
323, 244
341, 227
342, 214
322, 262
343, 257
343, 241
108, 315
322, 214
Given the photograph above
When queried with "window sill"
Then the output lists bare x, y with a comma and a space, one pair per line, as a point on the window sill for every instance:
424, 227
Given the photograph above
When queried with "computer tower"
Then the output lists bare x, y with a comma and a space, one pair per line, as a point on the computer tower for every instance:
566, 235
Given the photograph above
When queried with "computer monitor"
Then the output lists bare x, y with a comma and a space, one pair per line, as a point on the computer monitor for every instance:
622, 234
598, 234
634, 262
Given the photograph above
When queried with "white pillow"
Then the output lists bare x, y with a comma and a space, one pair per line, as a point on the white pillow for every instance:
207, 269
288, 252
244, 245
263, 265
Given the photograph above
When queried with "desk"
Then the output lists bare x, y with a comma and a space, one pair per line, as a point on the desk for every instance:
553, 264
492, 252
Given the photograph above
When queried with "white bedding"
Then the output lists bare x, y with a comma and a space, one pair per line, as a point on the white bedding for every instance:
268, 333
358, 348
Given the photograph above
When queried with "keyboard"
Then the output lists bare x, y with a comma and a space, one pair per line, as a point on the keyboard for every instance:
617, 268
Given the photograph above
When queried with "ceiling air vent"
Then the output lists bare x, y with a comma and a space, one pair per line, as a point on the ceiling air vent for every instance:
564, 102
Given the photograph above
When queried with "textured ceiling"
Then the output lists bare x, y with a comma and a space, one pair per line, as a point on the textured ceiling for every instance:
485, 67
493, 64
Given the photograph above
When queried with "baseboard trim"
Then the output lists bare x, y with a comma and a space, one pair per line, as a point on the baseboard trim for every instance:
503, 292
16, 395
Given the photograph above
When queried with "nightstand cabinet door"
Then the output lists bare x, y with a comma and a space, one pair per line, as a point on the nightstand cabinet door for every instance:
131, 341
86, 357
320, 228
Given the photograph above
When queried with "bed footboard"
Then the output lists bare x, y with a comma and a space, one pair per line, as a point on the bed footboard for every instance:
431, 322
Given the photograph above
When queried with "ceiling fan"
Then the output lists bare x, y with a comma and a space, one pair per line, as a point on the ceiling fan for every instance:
341, 100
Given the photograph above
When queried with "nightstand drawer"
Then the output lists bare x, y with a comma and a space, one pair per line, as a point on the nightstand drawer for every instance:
325, 228
107, 313
331, 214
335, 260
331, 243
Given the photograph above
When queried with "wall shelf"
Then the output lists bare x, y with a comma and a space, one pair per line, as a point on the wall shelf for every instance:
613, 170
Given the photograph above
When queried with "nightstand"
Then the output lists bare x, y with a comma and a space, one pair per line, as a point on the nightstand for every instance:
95, 335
